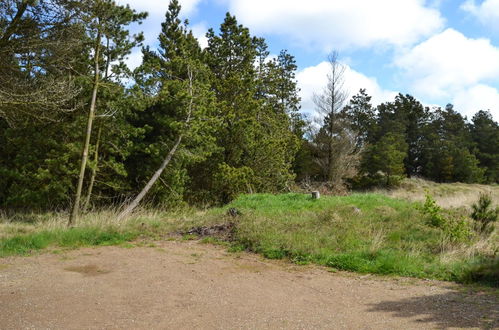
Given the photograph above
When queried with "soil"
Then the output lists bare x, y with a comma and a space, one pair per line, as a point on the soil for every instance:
188, 285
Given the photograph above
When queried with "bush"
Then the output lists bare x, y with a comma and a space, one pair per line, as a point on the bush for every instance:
483, 213
456, 227
434, 212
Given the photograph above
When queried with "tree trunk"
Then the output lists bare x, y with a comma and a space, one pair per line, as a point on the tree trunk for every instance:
94, 170
151, 182
330, 156
84, 157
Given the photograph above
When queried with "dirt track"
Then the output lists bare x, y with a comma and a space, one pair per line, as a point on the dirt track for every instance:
187, 285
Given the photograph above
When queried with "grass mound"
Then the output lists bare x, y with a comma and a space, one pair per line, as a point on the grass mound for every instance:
367, 233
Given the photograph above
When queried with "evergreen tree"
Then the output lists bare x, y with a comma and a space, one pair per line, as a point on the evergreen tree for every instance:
177, 114
361, 116
485, 135
406, 116
256, 141
447, 153
38, 43
384, 160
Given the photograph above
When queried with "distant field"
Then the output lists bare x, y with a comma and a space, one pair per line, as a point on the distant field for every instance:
383, 232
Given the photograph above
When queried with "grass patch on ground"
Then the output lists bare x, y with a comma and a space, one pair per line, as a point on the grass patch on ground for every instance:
365, 233
24, 234
67, 238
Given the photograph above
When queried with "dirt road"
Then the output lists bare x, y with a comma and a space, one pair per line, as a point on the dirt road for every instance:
188, 285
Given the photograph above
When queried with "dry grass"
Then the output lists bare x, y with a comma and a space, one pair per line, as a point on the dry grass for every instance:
458, 198
485, 245
447, 195
28, 223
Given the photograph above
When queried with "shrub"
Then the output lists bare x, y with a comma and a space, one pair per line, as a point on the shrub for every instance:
483, 213
456, 227
434, 212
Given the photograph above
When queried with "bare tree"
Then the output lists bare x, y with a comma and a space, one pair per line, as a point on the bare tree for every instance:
334, 139
346, 153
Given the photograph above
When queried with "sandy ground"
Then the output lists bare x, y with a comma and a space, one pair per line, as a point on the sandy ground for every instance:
188, 285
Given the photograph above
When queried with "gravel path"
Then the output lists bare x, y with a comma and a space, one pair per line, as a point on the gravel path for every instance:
188, 285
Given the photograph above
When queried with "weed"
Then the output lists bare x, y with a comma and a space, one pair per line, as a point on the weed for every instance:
457, 227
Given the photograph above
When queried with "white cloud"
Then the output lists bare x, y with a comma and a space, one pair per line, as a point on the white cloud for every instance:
199, 31
134, 59
159, 7
479, 97
448, 63
151, 27
313, 80
157, 10
340, 24
487, 12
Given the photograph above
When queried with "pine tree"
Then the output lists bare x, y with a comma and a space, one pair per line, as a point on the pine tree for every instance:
406, 116
386, 158
177, 118
38, 41
255, 104
485, 134
447, 155
361, 116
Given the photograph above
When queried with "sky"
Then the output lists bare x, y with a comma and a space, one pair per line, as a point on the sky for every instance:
439, 51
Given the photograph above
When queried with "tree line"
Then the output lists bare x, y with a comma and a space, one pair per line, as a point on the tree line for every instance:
359, 145
79, 129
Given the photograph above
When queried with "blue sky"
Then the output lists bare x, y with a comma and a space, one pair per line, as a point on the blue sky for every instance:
440, 51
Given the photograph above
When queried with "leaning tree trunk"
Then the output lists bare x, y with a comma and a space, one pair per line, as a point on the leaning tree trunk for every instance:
84, 156
151, 181
128, 210
94, 170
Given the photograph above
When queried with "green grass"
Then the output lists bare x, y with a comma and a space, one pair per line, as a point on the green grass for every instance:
365, 233
68, 238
